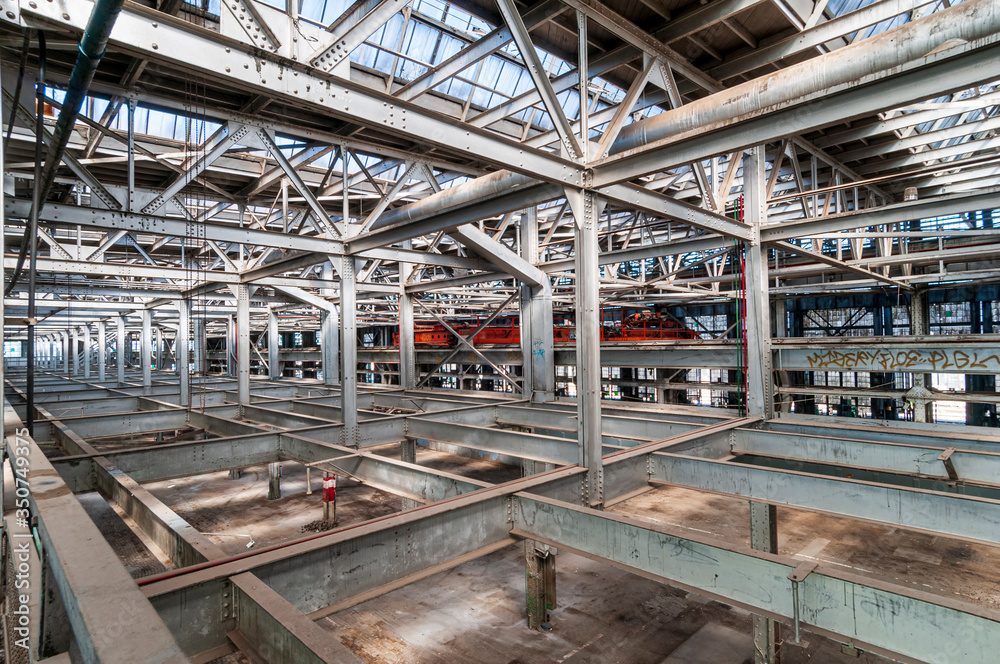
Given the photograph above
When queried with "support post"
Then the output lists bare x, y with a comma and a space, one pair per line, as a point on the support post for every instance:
65, 353
75, 350
330, 499
273, 339
407, 351
920, 324
231, 350
329, 330
200, 347
408, 451
145, 348
764, 537
537, 352
86, 352
159, 348
181, 351
120, 350
540, 583
243, 344
102, 350
349, 350
760, 395
273, 481
586, 212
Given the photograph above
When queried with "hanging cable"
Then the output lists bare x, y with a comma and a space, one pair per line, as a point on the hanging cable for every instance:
17, 88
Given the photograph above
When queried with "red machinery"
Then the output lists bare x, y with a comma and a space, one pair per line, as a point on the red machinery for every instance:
642, 326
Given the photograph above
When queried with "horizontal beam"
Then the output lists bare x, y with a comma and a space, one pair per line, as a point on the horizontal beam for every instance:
928, 511
877, 616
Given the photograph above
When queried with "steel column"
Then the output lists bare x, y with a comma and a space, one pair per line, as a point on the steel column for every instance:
145, 350
243, 344
120, 350
273, 337
759, 398
181, 354
586, 212
102, 349
349, 349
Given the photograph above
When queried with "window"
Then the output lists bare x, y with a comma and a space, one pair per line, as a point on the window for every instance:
12, 349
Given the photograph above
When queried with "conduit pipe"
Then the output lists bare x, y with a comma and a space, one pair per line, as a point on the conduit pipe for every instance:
88, 57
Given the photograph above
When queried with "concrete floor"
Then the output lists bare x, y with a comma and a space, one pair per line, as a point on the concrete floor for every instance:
475, 612
939, 565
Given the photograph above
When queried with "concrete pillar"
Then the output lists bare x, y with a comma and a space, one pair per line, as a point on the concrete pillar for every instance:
86, 351
540, 583
120, 351
408, 451
243, 344
145, 350
764, 537
760, 395
273, 356
75, 351
273, 481
537, 349
349, 350
102, 350
586, 212
181, 351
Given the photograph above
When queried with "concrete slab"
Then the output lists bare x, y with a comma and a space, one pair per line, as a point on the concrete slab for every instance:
714, 644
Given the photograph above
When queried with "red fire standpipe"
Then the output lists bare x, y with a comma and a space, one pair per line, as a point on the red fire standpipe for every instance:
330, 498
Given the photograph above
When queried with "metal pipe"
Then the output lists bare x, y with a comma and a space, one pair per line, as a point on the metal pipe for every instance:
90, 52
32, 239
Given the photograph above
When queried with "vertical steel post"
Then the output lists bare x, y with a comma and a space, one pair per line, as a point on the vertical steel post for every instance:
181, 351
760, 396
86, 351
243, 345
120, 351
407, 351
273, 481
145, 350
349, 350
586, 212
537, 351
75, 350
920, 324
329, 331
102, 350
273, 336
65, 353
764, 537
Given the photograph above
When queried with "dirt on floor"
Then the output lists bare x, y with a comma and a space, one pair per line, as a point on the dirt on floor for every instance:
131, 550
213, 503
940, 565
475, 613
